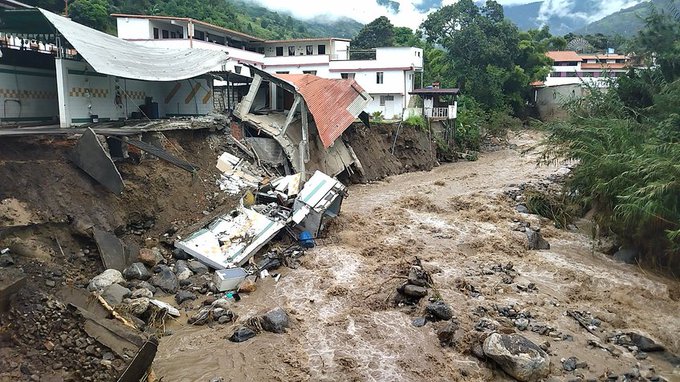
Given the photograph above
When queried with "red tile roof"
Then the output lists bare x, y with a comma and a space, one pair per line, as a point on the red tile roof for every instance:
329, 102
564, 55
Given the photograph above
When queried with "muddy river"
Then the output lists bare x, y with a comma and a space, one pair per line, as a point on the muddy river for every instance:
458, 221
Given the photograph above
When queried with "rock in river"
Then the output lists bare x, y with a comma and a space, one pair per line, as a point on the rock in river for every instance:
104, 279
536, 240
242, 334
517, 356
439, 310
136, 271
166, 280
275, 321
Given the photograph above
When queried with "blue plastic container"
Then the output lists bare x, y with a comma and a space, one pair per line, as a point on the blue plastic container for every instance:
306, 240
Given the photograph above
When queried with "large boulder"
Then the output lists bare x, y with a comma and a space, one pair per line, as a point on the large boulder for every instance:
114, 294
275, 321
104, 279
136, 271
517, 356
536, 240
166, 280
138, 306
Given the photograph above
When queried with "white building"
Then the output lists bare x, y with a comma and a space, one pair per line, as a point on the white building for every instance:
389, 78
571, 68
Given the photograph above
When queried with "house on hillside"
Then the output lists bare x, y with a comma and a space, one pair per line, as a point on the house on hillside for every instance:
570, 67
570, 76
389, 78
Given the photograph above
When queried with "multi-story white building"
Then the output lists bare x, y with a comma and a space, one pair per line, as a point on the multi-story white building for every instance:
571, 68
388, 78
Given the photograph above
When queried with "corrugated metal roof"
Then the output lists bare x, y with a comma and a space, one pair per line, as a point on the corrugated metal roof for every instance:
116, 57
334, 103
564, 55
435, 91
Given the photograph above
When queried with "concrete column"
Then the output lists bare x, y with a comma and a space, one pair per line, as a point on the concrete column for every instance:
62, 93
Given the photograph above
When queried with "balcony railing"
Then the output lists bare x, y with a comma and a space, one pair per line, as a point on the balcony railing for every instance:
437, 112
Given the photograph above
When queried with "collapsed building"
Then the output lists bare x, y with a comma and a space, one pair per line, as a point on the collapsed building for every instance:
316, 111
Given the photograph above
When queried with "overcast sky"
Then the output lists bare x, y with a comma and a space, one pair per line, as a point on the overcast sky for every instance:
409, 15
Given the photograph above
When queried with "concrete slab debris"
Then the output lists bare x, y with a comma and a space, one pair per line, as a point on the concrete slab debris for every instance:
321, 197
89, 154
113, 251
236, 176
166, 156
232, 239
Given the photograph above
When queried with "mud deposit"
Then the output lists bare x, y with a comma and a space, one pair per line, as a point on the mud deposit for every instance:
458, 220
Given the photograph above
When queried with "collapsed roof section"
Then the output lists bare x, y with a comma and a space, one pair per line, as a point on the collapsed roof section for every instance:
333, 103
113, 56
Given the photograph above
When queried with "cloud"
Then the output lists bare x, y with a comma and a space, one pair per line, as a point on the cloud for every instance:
411, 13
588, 10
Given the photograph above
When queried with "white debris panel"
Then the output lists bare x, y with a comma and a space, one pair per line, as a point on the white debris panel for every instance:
232, 239
320, 197
116, 57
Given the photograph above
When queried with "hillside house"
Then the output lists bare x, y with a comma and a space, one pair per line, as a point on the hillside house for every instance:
389, 78
570, 67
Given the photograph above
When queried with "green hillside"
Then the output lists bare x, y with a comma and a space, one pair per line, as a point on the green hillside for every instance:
629, 21
234, 14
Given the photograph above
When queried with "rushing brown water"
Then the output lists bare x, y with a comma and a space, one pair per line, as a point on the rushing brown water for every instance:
457, 221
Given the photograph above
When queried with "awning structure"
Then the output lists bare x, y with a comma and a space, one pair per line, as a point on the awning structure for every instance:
334, 103
114, 56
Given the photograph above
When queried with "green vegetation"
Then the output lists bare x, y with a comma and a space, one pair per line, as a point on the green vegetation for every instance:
377, 33
416, 121
627, 143
239, 15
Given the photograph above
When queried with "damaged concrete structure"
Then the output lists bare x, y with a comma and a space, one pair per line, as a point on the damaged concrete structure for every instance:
70, 74
316, 113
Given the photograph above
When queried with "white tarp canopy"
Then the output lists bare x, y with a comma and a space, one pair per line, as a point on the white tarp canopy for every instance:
116, 57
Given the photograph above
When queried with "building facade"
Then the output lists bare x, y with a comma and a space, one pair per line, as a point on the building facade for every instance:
388, 78
571, 68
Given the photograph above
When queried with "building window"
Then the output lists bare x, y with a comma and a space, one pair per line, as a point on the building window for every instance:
571, 74
313, 72
379, 77
385, 98
260, 50
309, 50
282, 72
237, 69
321, 49
279, 51
200, 35
347, 76
291, 51
173, 35
155, 33
166, 34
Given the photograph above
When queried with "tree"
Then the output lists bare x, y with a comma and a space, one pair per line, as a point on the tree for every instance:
93, 13
489, 58
377, 33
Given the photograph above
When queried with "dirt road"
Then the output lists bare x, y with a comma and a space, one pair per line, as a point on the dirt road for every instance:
459, 222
